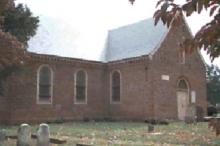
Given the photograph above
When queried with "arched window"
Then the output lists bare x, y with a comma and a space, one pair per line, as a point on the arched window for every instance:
182, 84
116, 86
45, 84
80, 87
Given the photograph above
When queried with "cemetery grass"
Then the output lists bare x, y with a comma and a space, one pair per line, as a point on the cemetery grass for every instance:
128, 134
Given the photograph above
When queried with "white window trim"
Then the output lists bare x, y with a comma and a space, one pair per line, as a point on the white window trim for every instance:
38, 81
111, 101
193, 96
75, 100
183, 57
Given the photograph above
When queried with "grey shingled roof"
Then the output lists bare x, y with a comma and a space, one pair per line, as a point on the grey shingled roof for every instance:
128, 41
134, 40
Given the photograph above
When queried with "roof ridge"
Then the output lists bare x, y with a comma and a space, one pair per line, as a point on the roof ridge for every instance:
133, 23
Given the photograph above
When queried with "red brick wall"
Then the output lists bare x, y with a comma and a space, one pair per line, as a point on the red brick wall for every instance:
144, 95
4, 110
135, 93
166, 62
23, 92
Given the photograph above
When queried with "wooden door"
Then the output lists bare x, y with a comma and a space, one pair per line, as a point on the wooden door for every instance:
182, 102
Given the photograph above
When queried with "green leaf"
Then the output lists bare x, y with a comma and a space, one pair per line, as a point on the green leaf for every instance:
20, 23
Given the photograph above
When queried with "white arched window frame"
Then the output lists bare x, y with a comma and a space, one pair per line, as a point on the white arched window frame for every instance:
40, 100
76, 86
112, 101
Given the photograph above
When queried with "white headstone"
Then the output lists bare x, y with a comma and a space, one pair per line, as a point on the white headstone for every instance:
43, 135
2, 137
190, 114
24, 135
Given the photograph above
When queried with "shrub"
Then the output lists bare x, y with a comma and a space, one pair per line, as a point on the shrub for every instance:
212, 111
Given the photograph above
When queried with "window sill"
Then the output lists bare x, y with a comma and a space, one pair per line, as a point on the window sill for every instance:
80, 103
114, 102
44, 102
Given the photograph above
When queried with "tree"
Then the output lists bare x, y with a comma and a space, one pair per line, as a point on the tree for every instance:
19, 22
213, 84
208, 37
17, 26
4, 4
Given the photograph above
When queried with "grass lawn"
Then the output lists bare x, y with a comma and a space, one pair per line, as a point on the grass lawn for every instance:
129, 134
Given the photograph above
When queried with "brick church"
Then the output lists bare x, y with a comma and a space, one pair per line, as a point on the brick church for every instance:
142, 74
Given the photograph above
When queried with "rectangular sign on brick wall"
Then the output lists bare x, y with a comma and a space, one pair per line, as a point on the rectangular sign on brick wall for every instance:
193, 97
165, 77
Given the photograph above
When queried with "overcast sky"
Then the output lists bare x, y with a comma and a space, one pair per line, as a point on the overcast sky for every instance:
97, 16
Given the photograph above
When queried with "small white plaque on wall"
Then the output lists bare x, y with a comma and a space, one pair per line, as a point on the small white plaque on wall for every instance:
193, 97
165, 77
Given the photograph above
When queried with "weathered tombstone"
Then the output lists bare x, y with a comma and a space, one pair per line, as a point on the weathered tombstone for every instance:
2, 137
190, 114
43, 135
24, 135
150, 128
200, 113
212, 123
218, 127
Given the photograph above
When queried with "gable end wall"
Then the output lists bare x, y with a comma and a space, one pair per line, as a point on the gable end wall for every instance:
166, 61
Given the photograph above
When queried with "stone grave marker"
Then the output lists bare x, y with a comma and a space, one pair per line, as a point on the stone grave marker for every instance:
150, 128
43, 135
217, 127
24, 135
2, 137
200, 113
190, 114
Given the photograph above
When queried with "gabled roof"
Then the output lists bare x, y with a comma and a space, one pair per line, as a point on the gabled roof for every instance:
134, 40
129, 41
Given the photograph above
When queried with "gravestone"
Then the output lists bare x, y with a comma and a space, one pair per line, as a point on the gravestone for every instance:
218, 127
24, 135
200, 113
214, 124
2, 137
190, 114
43, 135
150, 128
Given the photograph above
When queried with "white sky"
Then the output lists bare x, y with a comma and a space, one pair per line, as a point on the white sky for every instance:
96, 16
